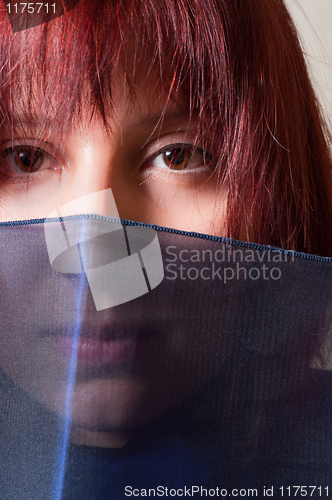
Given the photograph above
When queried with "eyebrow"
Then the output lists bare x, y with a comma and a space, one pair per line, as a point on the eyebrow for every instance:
149, 125
30, 120
159, 118
157, 123
148, 121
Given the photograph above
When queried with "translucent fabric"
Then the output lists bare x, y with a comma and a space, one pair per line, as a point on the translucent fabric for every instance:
136, 357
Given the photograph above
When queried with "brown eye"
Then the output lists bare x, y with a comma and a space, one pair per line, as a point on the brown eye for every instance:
177, 158
24, 160
27, 159
180, 158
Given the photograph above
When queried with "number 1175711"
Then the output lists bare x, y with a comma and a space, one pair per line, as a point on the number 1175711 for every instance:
30, 8
304, 491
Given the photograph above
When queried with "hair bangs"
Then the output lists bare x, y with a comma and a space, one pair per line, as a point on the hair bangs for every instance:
60, 67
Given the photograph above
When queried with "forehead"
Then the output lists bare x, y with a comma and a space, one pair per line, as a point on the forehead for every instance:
140, 101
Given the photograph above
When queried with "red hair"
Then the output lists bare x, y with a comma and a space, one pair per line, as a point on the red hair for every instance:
235, 67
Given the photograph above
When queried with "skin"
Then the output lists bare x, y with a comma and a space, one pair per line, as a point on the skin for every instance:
108, 406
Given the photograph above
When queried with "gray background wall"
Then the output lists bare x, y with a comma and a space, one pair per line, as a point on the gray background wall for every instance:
313, 19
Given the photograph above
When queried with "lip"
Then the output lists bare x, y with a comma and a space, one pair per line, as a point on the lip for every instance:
111, 344
99, 351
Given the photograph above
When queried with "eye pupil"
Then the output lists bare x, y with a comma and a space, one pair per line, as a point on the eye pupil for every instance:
177, 158
28, 159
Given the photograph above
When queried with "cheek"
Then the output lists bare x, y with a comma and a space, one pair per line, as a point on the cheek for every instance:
186, 203
30, 198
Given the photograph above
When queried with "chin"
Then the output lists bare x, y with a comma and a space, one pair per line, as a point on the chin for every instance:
117, 405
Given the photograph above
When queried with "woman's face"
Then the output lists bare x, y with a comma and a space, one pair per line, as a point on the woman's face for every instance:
158, 174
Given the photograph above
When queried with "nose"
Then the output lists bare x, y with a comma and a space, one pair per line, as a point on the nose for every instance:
93, 173
101, 177
98, 203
